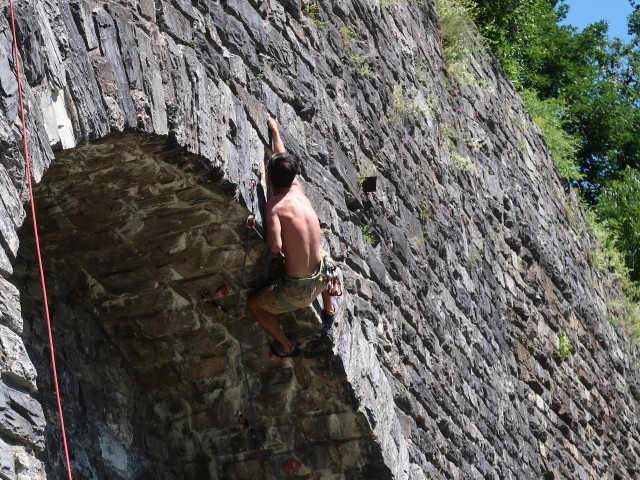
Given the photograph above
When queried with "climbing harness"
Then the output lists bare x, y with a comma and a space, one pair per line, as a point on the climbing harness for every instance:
37, 239
302, 286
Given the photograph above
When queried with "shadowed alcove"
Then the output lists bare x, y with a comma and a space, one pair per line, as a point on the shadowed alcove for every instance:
134, 230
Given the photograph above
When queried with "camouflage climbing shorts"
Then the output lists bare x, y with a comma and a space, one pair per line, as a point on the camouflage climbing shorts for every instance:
288, 294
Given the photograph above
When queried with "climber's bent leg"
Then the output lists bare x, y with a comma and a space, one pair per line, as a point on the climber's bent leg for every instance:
327, 303
268, 322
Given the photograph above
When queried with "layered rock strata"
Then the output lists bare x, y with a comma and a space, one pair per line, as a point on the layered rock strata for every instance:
464, 269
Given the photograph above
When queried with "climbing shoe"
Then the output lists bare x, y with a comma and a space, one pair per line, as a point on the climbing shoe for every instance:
277, 352
327, 319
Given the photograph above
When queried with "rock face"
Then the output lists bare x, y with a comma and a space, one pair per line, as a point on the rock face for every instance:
465, 268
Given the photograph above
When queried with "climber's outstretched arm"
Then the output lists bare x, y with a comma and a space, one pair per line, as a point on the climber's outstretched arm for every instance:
278, 144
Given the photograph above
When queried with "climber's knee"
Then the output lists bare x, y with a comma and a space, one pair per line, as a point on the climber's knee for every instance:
252, 301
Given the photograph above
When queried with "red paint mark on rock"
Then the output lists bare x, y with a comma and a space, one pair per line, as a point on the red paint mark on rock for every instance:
291, 465
222, 292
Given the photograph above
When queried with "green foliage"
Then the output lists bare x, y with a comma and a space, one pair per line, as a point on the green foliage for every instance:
594, 76
602, 99
387, 3
476, 256
348, 33
420, 74
314, 15
406, 108
359, 63
631, 321
417, 239
516, 31
606, 256
461, 162
474, 143
627, 314
582, 90
564, 346
368, 169
548, 115
523, 147
619, 212
416, 235
573, 217
459, 38
367, 233
425, 215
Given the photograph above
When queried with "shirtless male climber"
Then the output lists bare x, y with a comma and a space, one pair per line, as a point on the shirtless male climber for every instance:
293, 228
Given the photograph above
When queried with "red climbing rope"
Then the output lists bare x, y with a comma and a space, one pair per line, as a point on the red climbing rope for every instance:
37, 238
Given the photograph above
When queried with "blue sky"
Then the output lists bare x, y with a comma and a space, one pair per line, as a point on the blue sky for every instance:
584, 12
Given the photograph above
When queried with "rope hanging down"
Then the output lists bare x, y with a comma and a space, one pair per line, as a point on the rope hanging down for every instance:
243, 420
37, 238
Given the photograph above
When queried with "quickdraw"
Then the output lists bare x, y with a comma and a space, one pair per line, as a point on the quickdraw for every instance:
332, 280
241, 419
251, 219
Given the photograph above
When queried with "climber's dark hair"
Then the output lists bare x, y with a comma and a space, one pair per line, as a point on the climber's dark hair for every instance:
282, 169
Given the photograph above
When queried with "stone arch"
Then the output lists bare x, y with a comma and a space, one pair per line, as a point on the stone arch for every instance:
134, 230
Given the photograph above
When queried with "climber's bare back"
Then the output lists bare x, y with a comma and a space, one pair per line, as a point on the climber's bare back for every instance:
293, 227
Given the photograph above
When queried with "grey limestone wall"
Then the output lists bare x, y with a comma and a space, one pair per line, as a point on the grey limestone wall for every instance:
463, 269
